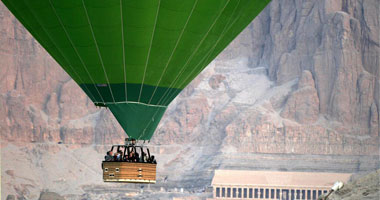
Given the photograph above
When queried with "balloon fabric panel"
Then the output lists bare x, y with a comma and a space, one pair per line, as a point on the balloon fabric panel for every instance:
134, 56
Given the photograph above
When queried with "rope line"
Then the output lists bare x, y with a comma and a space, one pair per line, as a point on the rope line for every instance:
150, 47
209, 53
122, 40
97, 49
175, 47
56, 46
134, 102
75, 49
188, 59
192, 55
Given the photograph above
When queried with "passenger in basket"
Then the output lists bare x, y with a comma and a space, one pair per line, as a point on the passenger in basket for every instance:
153, 160
132, 156
137, 157
118, 156
144, 157
109, 156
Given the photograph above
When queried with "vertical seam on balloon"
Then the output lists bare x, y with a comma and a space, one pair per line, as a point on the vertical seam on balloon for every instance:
75, 49
197, 48
191, 56
209, 53
216, 43
56, 46
122, 40
150, 46
97, 49
175, 47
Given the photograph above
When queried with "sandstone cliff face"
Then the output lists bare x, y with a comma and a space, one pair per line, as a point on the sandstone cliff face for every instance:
302, 79
303, 104
322, 96
338, 41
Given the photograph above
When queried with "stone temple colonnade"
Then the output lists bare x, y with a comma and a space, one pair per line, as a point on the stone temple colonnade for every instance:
237, 184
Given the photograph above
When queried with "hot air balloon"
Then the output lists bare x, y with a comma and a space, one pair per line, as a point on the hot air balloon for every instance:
134, 56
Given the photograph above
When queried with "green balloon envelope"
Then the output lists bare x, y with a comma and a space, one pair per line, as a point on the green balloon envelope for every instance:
134, 56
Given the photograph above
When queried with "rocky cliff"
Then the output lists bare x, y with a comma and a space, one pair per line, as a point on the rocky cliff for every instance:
299, 88
308, 79
361, 187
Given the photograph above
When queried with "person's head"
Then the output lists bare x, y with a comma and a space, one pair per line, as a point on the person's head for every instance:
110, 153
